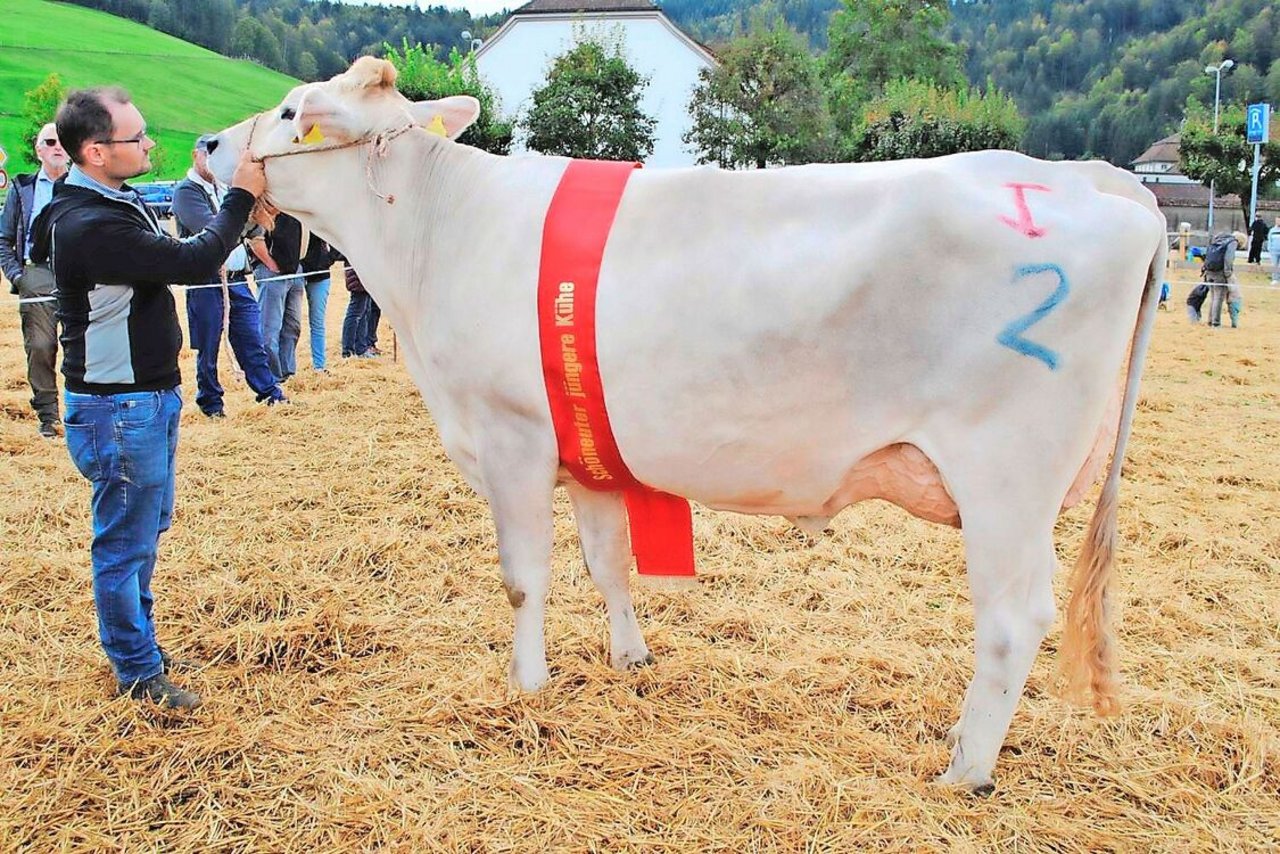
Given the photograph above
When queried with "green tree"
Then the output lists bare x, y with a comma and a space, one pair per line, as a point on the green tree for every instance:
590, 107
307, 68
39, 106
1226, 158
253, 39
918, 119
871, 42
764, 104
423, 77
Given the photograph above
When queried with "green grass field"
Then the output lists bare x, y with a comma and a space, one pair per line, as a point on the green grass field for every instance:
183, 90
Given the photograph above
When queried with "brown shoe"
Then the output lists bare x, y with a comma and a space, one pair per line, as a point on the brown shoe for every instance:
158, 689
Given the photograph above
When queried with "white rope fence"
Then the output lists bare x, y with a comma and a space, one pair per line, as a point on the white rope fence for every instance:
325, 273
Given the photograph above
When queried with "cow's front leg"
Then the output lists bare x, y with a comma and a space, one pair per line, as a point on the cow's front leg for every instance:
519, 479
1010, 575
602, 525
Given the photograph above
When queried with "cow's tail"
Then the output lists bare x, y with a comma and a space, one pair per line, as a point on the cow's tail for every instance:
1088, 649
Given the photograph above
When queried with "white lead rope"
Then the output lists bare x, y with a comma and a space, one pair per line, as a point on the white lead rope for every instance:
325, 272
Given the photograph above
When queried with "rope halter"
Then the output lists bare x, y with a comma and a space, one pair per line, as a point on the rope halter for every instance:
378, 140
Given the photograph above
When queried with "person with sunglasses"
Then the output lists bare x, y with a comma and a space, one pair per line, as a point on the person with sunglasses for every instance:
28, 195
113, 264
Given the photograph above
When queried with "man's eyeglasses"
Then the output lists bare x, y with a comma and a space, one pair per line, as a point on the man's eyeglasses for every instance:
133, 139
49, 143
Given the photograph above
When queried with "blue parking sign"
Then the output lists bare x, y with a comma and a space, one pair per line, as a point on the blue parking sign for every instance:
1257, 122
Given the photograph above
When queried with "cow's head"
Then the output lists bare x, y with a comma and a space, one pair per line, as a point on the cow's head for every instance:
317, 121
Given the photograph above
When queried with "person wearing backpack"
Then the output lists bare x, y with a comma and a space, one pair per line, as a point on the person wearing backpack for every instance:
1218, 273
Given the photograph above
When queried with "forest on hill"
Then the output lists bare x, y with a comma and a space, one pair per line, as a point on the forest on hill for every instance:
1101, 78
1109, 77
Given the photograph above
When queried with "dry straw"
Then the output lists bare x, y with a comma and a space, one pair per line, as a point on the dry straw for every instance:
339, 584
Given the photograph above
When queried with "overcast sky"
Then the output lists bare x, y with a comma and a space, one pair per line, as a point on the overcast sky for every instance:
475, 7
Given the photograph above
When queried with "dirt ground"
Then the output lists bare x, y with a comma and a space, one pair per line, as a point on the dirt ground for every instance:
339, 586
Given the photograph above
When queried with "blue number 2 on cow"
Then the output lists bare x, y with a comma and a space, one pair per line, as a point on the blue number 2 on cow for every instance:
1011, 335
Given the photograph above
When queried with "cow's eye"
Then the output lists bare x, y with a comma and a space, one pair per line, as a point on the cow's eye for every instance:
286, 113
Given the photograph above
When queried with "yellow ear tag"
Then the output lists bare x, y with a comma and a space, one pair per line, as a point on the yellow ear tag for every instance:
437, 126
313, 136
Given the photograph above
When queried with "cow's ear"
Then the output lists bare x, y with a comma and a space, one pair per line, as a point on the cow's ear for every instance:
447, 116
370, 72
319, 117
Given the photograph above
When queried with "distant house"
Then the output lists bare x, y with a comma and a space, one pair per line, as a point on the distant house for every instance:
1183, 199
1159, 164
515, 60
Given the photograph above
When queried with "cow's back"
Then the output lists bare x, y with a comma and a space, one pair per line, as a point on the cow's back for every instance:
759, 333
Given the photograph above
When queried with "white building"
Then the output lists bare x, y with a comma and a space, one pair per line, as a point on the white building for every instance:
515, 60
1159, 164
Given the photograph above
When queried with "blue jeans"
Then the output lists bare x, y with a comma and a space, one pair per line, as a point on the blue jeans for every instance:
371, 324
125, 445
204, 320
355, 324
317, 298
280, 302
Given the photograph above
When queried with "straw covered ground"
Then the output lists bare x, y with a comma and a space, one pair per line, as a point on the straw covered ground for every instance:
338, 583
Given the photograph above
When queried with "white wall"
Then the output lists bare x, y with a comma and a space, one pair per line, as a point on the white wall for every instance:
516, 62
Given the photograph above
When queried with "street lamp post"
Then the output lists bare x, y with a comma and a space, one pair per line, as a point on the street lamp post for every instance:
1216, 71
474, 42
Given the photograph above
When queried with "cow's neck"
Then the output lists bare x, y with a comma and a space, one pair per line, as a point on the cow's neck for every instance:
393, 246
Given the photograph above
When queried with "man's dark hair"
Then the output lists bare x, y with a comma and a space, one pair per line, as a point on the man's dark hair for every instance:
84, 117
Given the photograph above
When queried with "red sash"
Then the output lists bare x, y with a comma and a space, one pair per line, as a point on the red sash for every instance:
573, 240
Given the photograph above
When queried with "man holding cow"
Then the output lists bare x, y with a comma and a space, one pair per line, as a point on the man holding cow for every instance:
113, 264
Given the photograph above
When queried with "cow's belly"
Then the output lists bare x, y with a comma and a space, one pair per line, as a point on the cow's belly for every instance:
904, 475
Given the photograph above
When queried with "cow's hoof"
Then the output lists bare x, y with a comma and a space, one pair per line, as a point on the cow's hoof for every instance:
528, 681
634, 661
979, 789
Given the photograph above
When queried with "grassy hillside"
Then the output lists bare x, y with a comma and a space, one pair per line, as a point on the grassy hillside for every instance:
183, 90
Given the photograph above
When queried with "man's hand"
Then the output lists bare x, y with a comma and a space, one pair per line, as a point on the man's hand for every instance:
249, 175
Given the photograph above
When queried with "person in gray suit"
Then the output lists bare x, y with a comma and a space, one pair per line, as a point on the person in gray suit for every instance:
28, 194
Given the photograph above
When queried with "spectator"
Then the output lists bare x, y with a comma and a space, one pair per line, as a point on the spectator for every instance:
1257, 237
196, 200
28, 195
372, 322
1222, 286
317, 258
113, 263
1195, 301
355, 327
277, 245
1273, 247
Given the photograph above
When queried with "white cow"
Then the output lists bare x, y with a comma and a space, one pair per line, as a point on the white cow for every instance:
945, 334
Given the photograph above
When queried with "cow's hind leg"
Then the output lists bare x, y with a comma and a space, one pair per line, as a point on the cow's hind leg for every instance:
602, 525
519, 482
1011, 562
